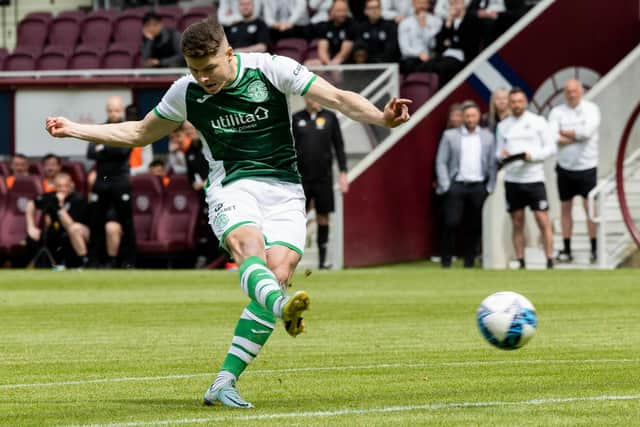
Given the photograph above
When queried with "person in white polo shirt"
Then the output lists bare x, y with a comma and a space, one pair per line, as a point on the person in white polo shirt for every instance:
524, 141
575, 129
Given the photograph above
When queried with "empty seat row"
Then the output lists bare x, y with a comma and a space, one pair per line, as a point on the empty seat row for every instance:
83, 58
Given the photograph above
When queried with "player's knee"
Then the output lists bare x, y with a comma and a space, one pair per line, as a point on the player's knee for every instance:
112, 228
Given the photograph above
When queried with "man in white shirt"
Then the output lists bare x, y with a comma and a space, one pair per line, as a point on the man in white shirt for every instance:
575, 129
417, 37
466, 171
524, 141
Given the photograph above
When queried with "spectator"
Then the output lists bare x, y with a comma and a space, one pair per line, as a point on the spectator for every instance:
417, 37
524, 141
498, 109
320, 10
250, 34
157, 168
229, 12
160, 44
456, 43
110, 199
178, 145
65, 233
575, 128
287, 18
396, 10
317, 135
197, 165
51, 166
19, 167
377, 36
140, 157
466, 170
455, 116
336, 36
496, 16
441, 8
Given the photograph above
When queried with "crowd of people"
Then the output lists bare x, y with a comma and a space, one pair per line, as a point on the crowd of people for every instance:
517, 140
439, 36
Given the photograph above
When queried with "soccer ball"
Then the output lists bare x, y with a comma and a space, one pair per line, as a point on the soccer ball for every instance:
507, 320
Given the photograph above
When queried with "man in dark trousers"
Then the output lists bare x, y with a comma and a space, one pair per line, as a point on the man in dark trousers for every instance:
112, 192
466, 171
317, 135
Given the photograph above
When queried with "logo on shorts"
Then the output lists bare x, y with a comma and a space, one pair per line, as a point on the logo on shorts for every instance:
257, 91
221, 221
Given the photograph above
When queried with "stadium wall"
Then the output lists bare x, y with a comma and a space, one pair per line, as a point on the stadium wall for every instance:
390, 210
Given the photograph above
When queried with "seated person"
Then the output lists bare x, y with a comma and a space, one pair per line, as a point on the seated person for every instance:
417, 37
336, 36
51, 166
250, 34
157, 168
286, 18
496, 16
396, 10
377, 35
441, 8
178, 146
19, 166
65, 232
456, 43
160, 44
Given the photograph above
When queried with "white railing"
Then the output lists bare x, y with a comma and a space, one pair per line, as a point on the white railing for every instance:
612, 245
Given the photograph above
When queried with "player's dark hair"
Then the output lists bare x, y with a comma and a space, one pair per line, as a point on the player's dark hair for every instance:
514, 90
203, 38
151, 16
51, 156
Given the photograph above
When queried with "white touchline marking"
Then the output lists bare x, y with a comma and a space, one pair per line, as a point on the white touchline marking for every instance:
366, 411
320, 368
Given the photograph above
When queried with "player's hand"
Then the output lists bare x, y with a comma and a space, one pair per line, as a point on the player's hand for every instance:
59, 127
396, 112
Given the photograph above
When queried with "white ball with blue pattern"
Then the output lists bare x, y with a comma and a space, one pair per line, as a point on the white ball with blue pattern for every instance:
507, 320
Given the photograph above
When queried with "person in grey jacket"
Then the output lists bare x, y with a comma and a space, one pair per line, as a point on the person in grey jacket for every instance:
466, 172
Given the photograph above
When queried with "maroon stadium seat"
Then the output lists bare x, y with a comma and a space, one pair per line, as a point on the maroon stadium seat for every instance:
189, 18
3, 55
312, 50
52, 61
13, 228
3, 197
176, 225
63, 49
294, 48
78, 15
418, 87
64, 31
170, 15
96, 31
43, 15
146, 190
137, 12
104, 13
203, 10
32, 32
128, 29
132, 48
77, 173
19, 62
117, 59
86, 57
36, 169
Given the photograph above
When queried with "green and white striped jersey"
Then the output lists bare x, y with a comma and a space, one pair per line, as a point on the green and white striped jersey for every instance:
246, 127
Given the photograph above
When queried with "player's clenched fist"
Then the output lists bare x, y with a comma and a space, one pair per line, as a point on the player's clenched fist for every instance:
58, 126
396, 112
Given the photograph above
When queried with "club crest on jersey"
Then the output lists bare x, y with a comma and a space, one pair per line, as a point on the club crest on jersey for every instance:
257, 91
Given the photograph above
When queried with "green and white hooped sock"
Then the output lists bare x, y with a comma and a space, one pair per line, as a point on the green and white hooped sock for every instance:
261, 285
252, 331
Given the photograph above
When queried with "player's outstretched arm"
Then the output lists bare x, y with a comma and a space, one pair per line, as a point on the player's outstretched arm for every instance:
357, 107
124, 134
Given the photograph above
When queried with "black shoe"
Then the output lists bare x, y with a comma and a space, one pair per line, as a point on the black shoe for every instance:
549, 263
564, 256
593, 258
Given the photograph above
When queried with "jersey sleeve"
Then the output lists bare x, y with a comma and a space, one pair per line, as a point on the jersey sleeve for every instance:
287, 75
173, 105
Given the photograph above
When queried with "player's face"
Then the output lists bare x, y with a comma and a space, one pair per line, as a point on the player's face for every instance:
471, 117
517, 103
213, 72
50, 167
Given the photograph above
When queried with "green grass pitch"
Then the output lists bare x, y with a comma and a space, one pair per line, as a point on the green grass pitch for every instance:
386, 346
